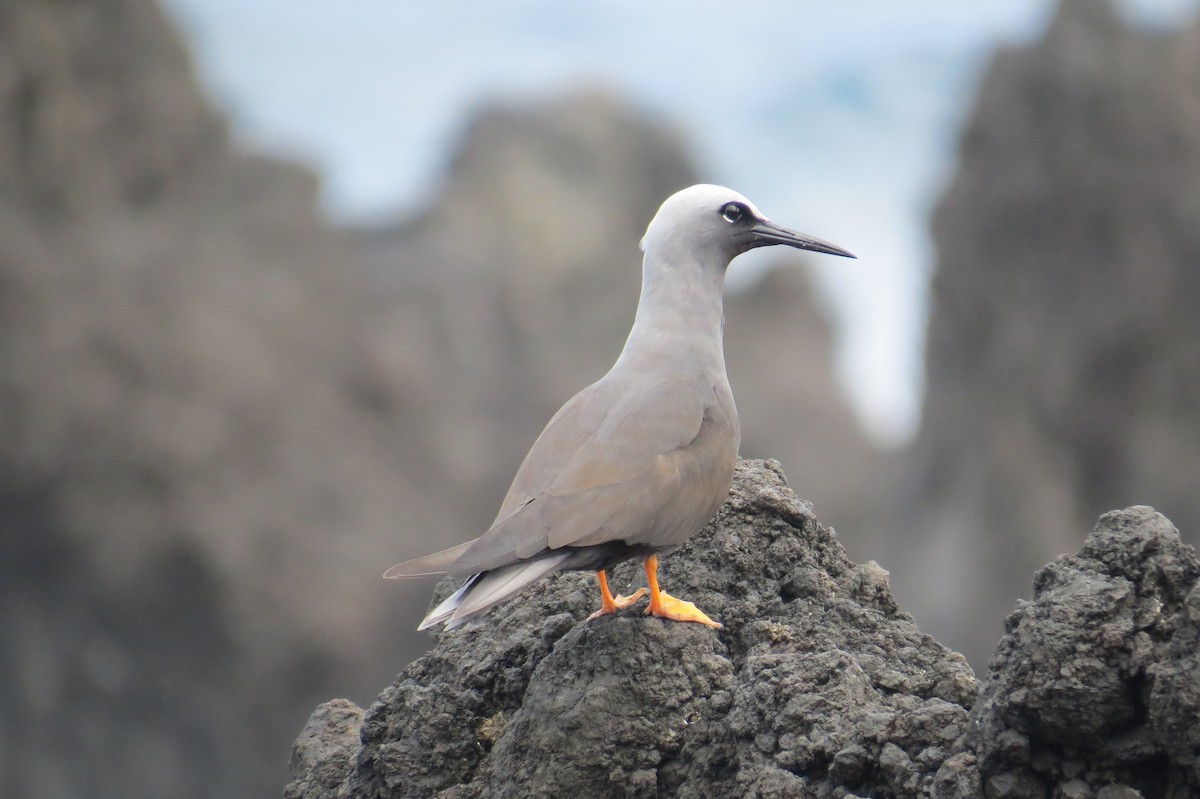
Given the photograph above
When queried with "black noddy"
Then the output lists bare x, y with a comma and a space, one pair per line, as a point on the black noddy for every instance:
642, 459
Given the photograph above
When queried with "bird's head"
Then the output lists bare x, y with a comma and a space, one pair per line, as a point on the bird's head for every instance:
706, 219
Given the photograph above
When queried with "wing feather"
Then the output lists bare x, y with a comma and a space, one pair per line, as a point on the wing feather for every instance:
429, 565
647, 468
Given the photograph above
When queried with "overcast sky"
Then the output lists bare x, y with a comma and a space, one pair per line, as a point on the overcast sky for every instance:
839, 119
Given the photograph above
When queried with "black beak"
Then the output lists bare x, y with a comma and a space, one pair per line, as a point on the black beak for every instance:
766, 233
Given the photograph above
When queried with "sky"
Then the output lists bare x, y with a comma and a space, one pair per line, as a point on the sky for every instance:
837, 119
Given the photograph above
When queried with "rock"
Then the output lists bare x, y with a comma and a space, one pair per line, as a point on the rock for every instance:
957, 778
325, 750
1063, 355
817, 686
1092, 674
1119, 792
1175, 689
832, 692
1076, 789
579, 687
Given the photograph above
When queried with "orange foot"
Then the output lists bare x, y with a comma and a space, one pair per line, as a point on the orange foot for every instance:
610, 604
668, 607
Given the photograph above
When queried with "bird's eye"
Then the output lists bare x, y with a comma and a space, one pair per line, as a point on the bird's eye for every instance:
732, 212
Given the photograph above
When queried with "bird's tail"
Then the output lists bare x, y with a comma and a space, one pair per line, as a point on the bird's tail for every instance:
430, 565
486, 589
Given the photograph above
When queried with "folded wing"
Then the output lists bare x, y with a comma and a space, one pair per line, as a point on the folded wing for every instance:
647, 468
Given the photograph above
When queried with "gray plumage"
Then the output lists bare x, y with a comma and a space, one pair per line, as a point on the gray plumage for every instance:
642, 459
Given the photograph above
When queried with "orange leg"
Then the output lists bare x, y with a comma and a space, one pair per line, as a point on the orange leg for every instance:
611, 604
666, 606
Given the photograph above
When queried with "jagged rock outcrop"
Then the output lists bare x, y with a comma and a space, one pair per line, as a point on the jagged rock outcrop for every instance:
1063, 360
1097, 680
818, 685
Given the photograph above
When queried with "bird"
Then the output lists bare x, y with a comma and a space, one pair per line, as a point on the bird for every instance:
641, 460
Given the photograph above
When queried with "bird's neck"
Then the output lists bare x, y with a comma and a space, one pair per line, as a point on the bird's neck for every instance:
680, 313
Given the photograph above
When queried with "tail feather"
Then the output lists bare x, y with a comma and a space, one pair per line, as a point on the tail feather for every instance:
430, 565
447, 607
487, 589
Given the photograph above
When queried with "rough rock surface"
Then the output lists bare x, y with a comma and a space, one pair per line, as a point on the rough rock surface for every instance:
817, 686
1097, 680
1063, 356
324, 752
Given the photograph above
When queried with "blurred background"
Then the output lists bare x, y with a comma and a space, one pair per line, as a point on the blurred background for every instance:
287, 289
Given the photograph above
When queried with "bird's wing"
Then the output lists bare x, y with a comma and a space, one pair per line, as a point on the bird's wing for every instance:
429, 565
637, 465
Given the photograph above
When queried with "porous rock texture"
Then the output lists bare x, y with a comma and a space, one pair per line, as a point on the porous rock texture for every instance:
817, 686
1097, 681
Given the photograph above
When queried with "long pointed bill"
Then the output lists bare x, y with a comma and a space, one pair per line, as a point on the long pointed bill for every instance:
767, 233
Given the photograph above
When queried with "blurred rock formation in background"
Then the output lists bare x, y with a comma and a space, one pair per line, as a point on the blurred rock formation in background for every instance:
194, 482
223, 417
1063, 361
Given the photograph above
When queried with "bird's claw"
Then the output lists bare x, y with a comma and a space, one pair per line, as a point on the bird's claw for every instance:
619, 602
668, 607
